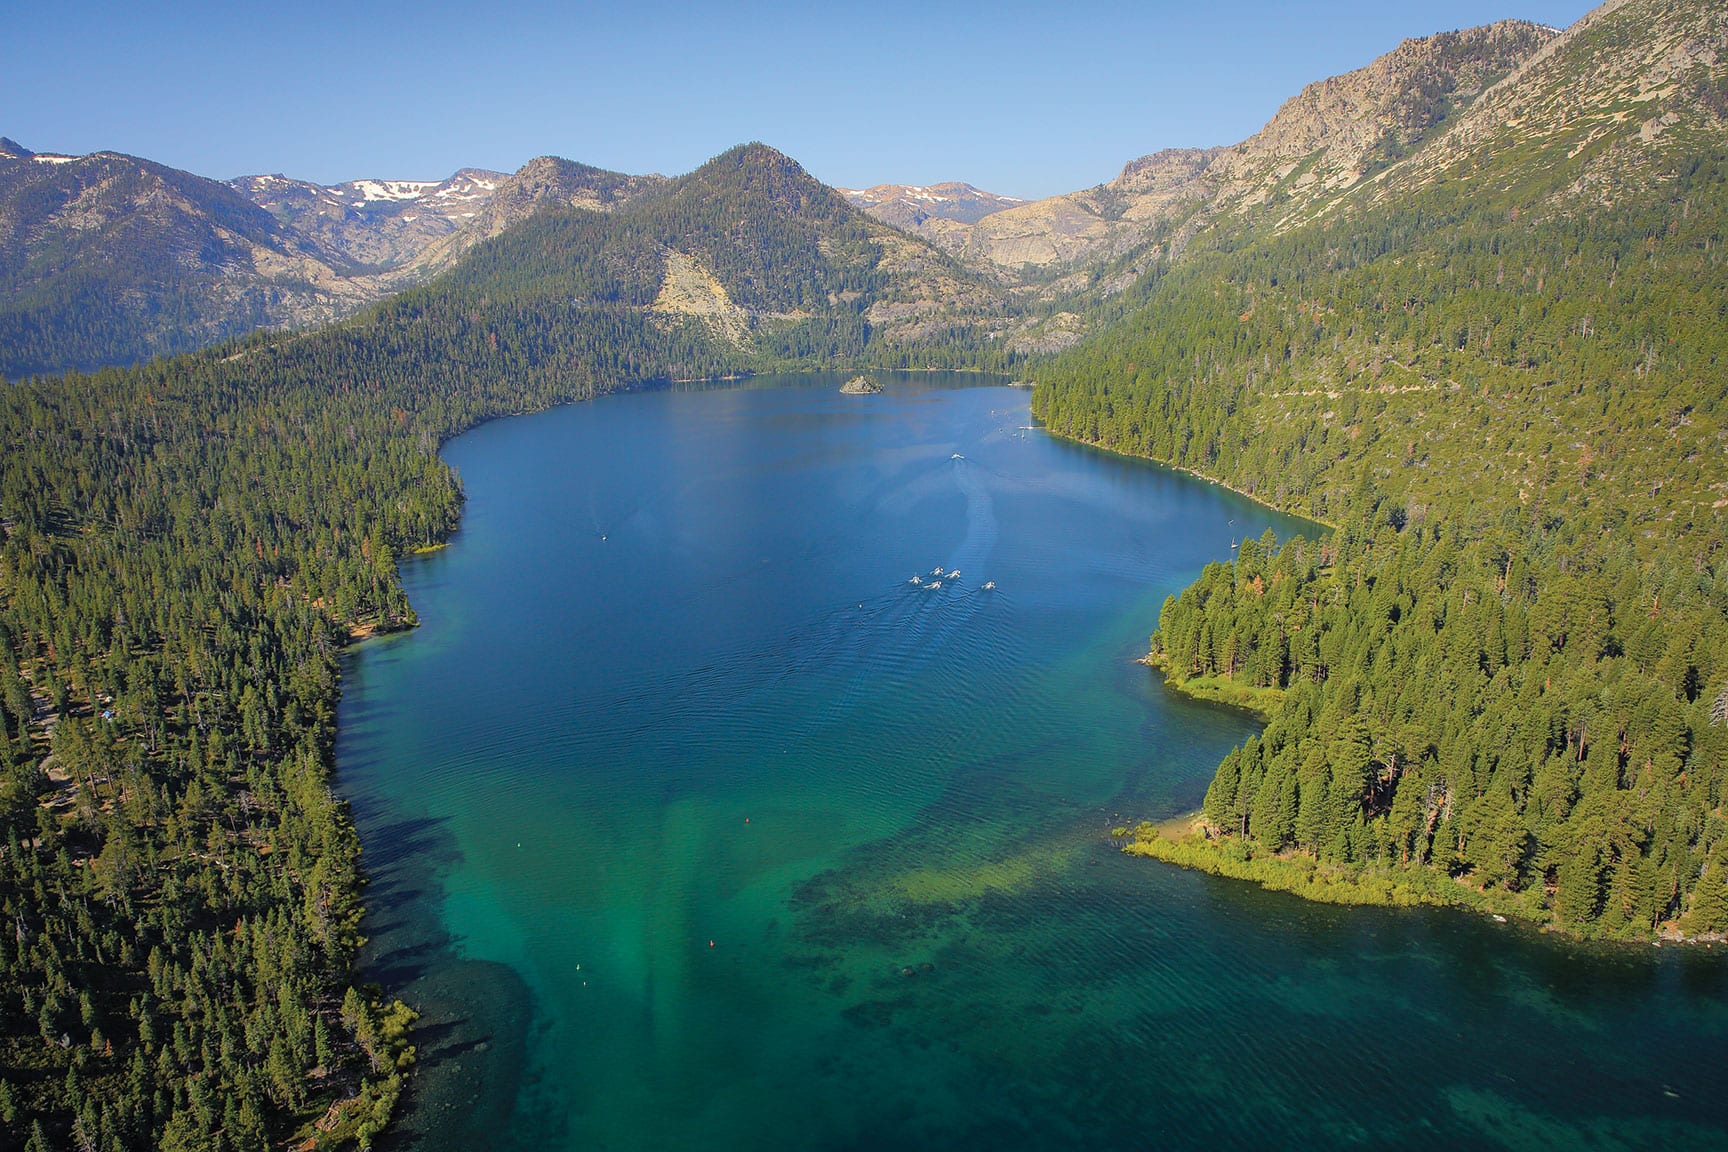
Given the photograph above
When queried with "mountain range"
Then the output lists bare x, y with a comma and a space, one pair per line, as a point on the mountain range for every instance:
106, 258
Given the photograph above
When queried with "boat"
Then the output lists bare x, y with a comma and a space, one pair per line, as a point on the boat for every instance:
956, 456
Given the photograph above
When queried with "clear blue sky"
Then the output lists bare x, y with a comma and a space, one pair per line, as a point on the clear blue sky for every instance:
1024, 99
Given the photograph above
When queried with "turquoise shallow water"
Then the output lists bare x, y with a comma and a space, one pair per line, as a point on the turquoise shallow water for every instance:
695, 823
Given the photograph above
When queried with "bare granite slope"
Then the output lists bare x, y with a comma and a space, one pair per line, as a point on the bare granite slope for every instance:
1322, 142
1618, 88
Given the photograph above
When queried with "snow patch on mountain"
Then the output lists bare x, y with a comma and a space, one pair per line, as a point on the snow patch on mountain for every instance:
391, 189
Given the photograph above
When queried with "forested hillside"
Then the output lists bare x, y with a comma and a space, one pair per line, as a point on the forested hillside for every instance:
187, 545
1500, 372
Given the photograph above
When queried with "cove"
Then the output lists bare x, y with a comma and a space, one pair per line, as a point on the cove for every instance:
694, 822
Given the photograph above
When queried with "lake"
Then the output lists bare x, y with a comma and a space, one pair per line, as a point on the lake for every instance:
695, 821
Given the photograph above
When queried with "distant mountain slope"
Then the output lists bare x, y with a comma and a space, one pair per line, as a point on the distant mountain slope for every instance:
543, 181
399, 231
1499, 366
108, 258
928, 210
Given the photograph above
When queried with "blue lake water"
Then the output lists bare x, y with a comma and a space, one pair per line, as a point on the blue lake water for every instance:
694, 822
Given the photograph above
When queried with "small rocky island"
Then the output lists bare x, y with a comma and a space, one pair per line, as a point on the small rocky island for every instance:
860, 386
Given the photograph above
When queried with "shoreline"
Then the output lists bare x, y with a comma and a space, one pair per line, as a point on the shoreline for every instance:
1187, 471
1183, 841
1259, 702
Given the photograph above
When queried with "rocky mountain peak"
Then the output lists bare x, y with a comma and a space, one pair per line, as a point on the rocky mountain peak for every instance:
1339, 130
1164, 170
755, 154
553, 179
1322, 142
